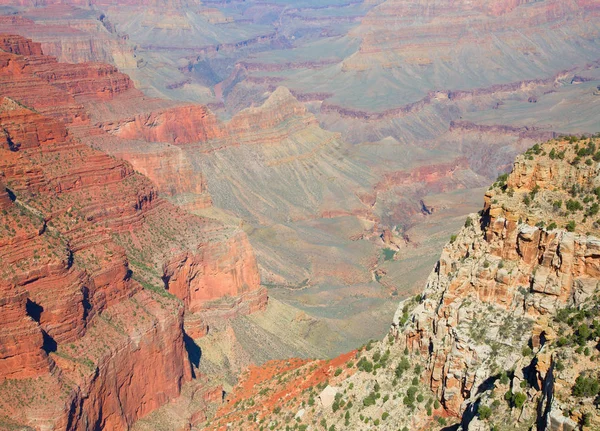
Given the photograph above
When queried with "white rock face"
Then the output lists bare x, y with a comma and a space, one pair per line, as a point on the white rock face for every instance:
327, 396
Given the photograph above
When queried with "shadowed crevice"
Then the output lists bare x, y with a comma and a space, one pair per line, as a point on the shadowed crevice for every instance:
33, 310
49, 343
194, 352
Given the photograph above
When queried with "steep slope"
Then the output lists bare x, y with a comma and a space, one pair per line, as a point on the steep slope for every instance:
73, 35
93, 261
504, 335
526, 277
70, 282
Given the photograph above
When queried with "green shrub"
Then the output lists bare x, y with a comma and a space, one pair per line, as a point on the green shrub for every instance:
585, 387
582, 334
501, 180
369, 400
365, 365
571, 226
484, 412
335, 406
403, 366
519, 399
337, 372
574, 205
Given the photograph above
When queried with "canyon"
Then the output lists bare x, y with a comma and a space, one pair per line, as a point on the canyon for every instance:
166, 163
501, 337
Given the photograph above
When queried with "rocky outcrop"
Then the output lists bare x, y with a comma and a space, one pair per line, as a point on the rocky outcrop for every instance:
170, 169
178, 125
59, 83
96, 80
196, 124
219, 282
18, 45
62, 275
138, 389
226, 269
87, 38
280, 106
70, 90
502, 279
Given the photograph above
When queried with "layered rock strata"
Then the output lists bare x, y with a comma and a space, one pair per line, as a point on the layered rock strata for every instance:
86, 249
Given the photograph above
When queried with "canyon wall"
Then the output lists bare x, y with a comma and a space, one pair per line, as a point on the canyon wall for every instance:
86, 244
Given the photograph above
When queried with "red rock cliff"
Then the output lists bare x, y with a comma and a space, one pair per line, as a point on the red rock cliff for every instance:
81, 233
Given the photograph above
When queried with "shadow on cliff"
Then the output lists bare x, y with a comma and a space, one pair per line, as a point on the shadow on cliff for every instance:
194, 352
35, 310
